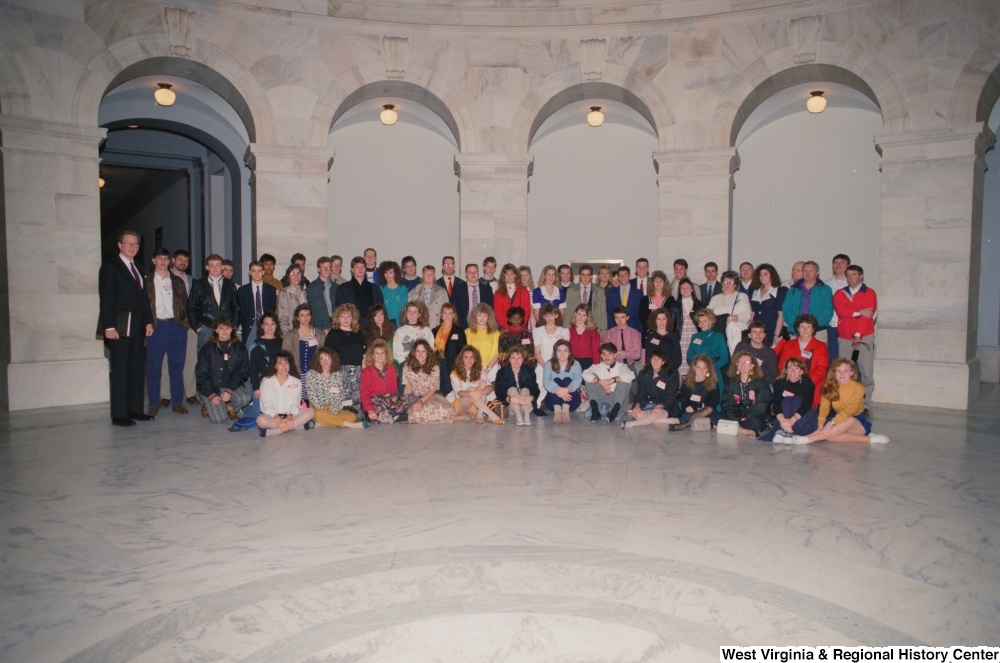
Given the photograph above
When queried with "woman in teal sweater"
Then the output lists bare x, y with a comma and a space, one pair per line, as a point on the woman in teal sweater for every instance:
394, 293
709, 342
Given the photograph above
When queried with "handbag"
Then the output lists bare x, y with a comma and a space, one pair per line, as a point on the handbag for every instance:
722, 320
728, 427
498, 408
701, 424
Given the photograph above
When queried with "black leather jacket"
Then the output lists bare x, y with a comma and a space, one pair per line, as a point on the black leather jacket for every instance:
217, 373
202, 309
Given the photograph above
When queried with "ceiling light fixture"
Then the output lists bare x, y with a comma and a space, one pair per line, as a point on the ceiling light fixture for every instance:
595, 117
816, 102
133, 126
100, 182
388, 115
164, 95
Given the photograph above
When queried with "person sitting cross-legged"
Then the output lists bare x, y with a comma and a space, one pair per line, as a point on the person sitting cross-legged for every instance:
656, 393
747, 397
516, 385
699, 392
281, 408
325, 389
608, 383
791, 405
562, 377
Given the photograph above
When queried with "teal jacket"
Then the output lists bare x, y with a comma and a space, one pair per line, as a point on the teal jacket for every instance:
714, 345
820, 305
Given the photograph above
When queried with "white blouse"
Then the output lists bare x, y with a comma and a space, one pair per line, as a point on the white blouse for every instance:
276, 398
545, 343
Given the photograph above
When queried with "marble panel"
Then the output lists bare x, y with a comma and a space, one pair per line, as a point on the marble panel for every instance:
41, 384
989, 364
901, 380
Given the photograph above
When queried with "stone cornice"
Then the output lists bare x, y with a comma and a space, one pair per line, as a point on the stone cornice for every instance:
972, 140
49, 128
435, 21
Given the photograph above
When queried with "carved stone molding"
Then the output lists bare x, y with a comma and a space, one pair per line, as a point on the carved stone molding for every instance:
593, 57
180, 30
396, 53
803, 38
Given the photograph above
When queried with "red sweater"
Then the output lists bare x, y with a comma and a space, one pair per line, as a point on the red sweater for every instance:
817, 363
586, 346
502, 303
373, 384
846, 306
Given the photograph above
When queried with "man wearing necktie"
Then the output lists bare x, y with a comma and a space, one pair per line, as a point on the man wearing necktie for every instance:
589, 293
254, 298
625, 295
710, 287
126, 319
448, 280
641, 280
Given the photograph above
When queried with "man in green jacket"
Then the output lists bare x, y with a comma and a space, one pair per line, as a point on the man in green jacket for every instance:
809, 295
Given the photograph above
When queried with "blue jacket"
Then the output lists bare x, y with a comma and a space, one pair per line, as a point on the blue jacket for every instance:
613, 299
575, 374
820, 305
244, 297
314, 295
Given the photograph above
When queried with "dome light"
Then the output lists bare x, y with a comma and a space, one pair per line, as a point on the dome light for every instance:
816, 102
100, 182
595, 117
388, 115
164, 95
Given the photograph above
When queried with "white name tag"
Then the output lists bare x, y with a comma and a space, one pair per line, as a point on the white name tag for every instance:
696, 398
291, 386
454, 337
760, 362
696, 341
312, 343
334, 389
806, 354
786, 394
168, 289
660, 384
525, 341
656, 341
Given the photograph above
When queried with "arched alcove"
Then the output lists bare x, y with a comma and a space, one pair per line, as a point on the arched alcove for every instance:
394, 187
809, 185
203, 137
593, 189
596, 92
399, 90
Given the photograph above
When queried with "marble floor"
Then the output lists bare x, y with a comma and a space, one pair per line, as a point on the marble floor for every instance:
178, 541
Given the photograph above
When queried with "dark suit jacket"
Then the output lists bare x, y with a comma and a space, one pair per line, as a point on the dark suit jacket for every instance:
119, 292
179, 302
346, 295
244, 297
704, 296
202, 309
614, 300
460, 298
459, 282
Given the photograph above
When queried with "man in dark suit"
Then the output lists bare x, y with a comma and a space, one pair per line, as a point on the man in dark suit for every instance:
471, 293
359, 291
126, 320
211, 297
254, 298
627, 296
710, 287
321, 294
641, 280
589, 293
448, 280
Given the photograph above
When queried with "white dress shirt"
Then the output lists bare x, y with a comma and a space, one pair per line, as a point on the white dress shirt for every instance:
164, 288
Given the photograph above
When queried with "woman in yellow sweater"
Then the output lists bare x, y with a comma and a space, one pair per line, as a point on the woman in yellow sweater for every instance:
842, 408
484, 335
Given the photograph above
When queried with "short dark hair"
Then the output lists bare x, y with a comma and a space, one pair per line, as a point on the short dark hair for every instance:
125, 233
335, 258
746, 263
641, 260
589, 268
682, 262
452, 258
623, 268
267, 257
842, 256
729, 274
757, 324
662, 354
811, 262
182, 252
711, 264
255, 263
369, 249
809, 319
562, 267
408, 259
321, 260
297, 257
226, 262
161, 252
608, 347
514, 310
851, 268
357, 260
212, 256
471, 264
489, 259
620, 309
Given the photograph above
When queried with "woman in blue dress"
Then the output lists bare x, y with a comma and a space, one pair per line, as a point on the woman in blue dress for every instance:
768, 296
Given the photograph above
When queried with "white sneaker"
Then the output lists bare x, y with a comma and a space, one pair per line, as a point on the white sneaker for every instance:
782, 438
799, 439
878, 439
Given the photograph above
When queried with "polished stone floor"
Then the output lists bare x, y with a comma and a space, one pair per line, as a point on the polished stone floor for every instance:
178, 541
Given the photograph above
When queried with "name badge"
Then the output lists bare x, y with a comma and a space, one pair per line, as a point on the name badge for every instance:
696, 341
168, 288
454, 337
292, 386
660, 384
696, 398
656, 341
225, 357
334, 389
760, 362
806, 354
525, 341
786, 394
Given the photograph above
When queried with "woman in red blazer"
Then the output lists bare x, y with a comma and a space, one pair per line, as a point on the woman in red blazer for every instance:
510, 293
808, 349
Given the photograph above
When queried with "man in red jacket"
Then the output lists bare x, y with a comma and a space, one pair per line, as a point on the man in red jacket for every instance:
855, 305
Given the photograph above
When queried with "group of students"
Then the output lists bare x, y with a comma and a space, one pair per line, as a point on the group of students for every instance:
350, 352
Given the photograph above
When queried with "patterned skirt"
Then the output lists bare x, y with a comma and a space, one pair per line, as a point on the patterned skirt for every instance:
351, 376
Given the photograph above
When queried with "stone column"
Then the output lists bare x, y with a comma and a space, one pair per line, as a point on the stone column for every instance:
493, 207
292, 206
50, 215
929, 251
696, 212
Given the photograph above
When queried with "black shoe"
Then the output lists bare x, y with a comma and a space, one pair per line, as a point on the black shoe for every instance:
309, 425
595, 412
402, 418
539, 412
139, 416
353, 410
614, 413
122, 421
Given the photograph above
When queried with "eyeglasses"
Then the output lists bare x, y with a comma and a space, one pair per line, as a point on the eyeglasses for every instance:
130, 244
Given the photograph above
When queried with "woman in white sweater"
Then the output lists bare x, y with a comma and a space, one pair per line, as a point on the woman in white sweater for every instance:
415, 317
281, 408
736, 305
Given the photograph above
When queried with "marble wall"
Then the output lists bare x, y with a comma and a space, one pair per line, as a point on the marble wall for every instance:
692, 64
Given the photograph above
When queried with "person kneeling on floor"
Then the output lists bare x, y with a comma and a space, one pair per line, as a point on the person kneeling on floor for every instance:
222, 372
